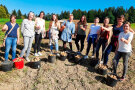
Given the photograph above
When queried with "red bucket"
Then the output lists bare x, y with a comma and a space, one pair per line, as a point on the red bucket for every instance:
19, 64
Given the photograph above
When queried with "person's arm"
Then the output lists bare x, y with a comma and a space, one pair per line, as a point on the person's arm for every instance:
76, 30
109, 37
73, 30
44, 32
22, 26
37, 27
5, 28
128, 40
106, 29
58, 25
63, 24
131, 30
98, 35
18, 35
84, 28
44, 26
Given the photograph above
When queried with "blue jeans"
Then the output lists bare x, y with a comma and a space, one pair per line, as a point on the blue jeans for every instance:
109, 49
10, 41
91, 41
56, 45
99, 43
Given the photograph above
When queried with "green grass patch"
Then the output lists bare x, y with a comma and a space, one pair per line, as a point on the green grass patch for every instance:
133, 26
19, 21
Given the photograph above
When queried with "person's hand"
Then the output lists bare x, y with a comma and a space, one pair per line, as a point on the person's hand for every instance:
107, 43
122, 39
18, 41
73, 36
43, 35
38, 27
81, 27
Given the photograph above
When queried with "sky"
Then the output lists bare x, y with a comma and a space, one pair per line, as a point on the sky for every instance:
56, 6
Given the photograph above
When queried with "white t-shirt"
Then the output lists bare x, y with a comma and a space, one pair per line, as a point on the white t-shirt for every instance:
41, 23
94, 29
123, 47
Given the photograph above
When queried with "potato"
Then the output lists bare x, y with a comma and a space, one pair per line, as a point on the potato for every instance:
78, 56
18, 60
52, 55
63, 54
102, 66
36, 59
113, 76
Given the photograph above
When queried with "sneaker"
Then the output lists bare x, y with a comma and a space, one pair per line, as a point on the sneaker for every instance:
58, 54
79, 53
36, 54
86, 57
40, 54
27, 59
92, 56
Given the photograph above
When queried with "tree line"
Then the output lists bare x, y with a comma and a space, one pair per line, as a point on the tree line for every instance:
110, 12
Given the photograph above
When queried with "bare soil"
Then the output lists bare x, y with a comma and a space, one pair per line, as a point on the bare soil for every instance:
63, 75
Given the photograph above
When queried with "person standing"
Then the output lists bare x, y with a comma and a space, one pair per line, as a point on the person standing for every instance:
27, 29
54, 27
81, 33
92, 36
103, 37
117, 29
12, 32
39, 33
124, 49
68, 32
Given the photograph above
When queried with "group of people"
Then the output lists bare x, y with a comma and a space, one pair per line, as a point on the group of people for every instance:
116, 38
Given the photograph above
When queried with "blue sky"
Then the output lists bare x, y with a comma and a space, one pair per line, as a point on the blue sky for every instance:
56, 6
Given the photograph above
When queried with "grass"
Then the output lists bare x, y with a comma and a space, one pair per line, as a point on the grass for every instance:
19, 21
133, 26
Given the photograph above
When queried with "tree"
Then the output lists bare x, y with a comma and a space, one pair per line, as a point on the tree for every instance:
112, 18
19, 14
2, 12
7, 13
79, 14
91, 15
131, 13
75, 13
14, 12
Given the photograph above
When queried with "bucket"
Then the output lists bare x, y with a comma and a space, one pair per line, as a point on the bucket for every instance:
36, 65
94, 62
19, 64
52, 59
110, 81
70, 56
102, 71
63, 58
7, 66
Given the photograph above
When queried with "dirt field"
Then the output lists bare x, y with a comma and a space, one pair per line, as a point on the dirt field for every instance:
62, 75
